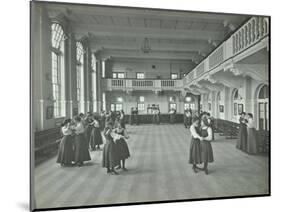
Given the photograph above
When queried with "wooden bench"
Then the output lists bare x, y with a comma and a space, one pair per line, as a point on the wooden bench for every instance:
46, 143
226, 128
263, 141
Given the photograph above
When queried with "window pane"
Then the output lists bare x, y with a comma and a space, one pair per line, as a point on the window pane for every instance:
57, 35
140, 75
119, 107
174, 76
141, 98
172, 106
140, 106
121, 75
112, 107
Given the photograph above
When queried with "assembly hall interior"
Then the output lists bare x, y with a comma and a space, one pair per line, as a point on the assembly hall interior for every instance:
160, 68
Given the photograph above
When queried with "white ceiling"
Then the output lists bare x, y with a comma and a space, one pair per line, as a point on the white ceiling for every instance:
174, 35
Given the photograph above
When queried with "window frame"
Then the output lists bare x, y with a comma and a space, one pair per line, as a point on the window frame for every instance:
57, 37
174, 74
137, 75
117, 75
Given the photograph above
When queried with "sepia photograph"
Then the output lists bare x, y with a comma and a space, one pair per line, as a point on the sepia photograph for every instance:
133, 105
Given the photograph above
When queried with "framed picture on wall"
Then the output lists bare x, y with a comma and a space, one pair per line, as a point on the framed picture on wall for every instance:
50, 112
240, 108
221, 108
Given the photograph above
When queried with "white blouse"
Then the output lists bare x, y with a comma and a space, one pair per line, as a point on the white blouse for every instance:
251, 123
79, 129
66, 130
193, 132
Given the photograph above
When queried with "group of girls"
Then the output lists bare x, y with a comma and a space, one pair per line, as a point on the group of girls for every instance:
115, 151
200, 147
83, 134
73, 149
247, 140
80, 135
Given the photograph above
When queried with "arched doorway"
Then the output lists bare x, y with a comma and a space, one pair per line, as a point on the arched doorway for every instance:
238, 106
263, 95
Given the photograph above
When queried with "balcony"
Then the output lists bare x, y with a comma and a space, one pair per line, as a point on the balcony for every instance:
248, 39
143, 84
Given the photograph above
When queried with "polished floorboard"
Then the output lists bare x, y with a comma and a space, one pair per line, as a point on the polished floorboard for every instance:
158, 170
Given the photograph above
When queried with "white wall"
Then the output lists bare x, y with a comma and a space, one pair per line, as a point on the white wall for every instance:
131, 67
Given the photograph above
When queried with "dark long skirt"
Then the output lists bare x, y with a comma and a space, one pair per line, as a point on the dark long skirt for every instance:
81, 152
206, 151
189, 121
122, 149
122, 122
185, 121
88, 132
109, 156
102, 123
242, 138
195, 151
252, 147
66, 152
95, 138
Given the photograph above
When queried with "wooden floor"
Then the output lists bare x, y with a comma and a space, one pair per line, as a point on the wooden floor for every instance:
158, 170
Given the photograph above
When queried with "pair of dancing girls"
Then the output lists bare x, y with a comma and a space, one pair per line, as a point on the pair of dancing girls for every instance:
115, 151
200, 147
73, 146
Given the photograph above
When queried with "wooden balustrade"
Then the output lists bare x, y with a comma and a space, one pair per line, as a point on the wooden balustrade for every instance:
254, 30
200, 69
117, 82
142, 83
216, 57
167, 83
249, 34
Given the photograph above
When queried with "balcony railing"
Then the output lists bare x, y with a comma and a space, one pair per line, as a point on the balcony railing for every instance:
250, 33
143, 84
253, 31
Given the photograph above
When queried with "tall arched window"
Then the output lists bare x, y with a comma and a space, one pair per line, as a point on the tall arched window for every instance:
58, 38
263, 108
80, 76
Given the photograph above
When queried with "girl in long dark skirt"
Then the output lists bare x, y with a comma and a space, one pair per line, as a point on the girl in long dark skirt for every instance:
109, 156
102, 121
242, 135
66, 152
211, 125
88, 128
206, 147
195, 149
122, 148
95, 138
122, 119
252, 146
81, 152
